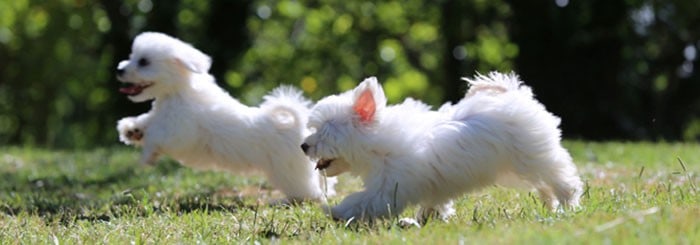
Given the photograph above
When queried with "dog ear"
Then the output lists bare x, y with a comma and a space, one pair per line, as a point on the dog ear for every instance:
369, 98
365, 106
193, 59
184, 54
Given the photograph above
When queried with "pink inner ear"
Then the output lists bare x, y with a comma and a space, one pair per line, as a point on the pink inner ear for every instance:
365, 106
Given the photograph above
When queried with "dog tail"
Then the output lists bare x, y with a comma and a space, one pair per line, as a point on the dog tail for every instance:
288, 107
496, 83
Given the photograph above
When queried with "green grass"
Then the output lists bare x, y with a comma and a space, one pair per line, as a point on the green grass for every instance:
636, 193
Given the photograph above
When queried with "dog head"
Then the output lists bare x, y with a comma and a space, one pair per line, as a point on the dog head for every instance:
158, 65
342, 126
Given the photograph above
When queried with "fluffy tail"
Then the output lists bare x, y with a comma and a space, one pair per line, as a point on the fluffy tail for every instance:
496, 83
287, 106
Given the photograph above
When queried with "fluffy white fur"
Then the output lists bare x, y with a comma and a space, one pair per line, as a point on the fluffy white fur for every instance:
407, 154
197, 123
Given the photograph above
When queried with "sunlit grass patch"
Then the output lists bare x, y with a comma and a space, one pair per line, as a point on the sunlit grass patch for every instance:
635, 193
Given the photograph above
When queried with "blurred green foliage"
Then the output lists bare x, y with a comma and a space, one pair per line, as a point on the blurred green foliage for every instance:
54, 73
621, 69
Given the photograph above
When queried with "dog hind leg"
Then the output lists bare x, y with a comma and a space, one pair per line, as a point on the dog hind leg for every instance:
567, 189
547, 197
563, 180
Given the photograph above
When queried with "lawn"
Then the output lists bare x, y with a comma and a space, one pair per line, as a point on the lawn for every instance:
635, 193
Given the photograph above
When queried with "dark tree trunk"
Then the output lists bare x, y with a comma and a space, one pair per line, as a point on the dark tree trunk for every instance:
571, 57
452, 29
226, 34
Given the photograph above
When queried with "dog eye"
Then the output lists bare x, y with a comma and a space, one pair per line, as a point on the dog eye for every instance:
143, 62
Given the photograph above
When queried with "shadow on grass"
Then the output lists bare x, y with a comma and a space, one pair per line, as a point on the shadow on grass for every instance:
63, 182
69, 197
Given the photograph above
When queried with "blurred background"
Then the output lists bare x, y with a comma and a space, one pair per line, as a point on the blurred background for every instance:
611, 69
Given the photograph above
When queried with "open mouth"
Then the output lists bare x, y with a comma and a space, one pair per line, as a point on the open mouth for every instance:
133, 89
323, 164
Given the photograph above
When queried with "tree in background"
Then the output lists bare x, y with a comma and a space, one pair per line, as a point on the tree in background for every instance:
53, 85
610, 69
613, 69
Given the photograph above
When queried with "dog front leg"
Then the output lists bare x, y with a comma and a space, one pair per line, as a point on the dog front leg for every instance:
368, 205
430, 212
149, 155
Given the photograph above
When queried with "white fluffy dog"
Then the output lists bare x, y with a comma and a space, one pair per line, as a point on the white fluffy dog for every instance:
197, 123
407, 154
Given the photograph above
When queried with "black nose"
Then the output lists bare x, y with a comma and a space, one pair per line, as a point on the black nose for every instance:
120, 72
305, 147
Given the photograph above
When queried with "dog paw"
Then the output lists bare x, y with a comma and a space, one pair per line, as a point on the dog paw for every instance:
134, 134
406, 223
129, 132
441, 212
336, 215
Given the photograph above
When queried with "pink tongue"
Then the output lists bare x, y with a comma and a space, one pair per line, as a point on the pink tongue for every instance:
131, 90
